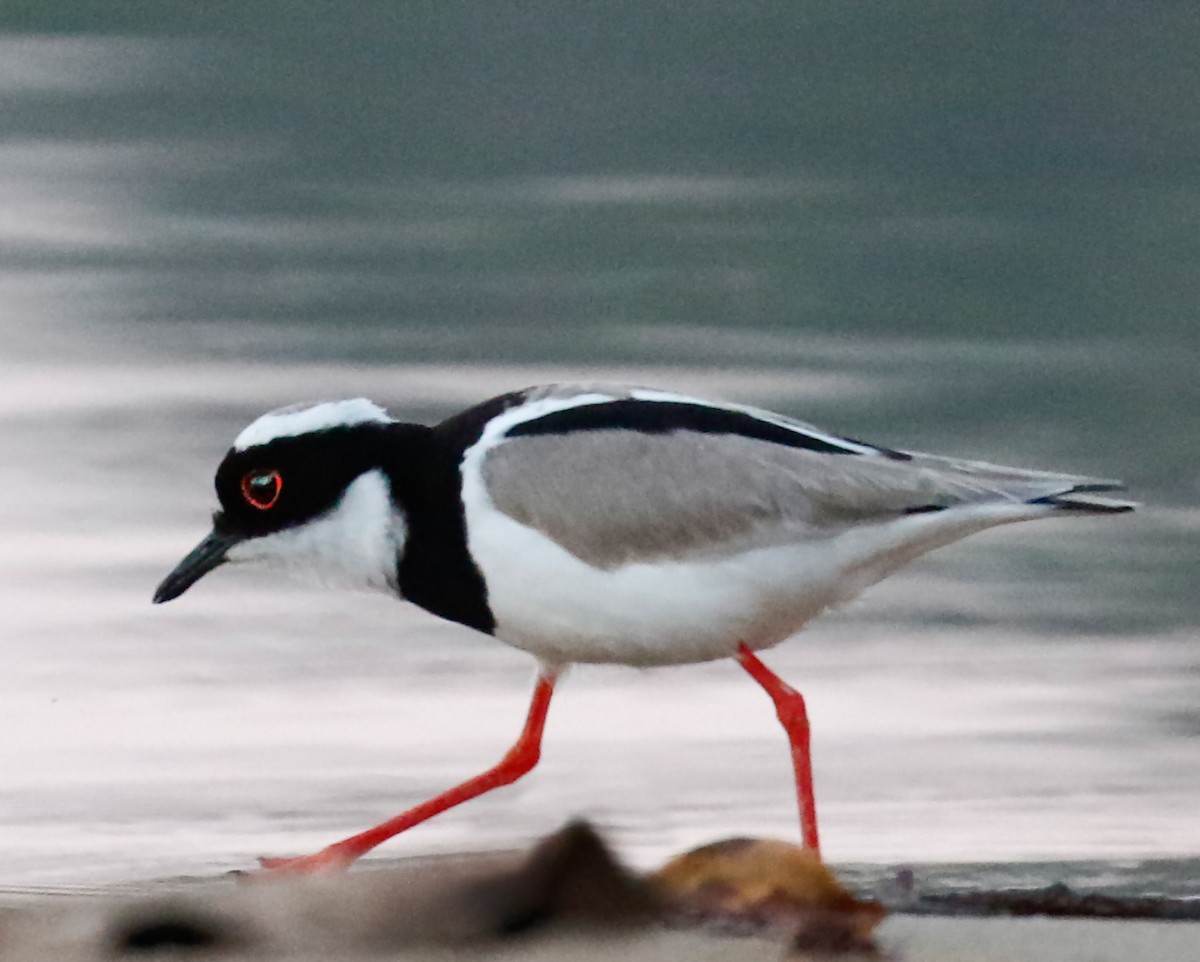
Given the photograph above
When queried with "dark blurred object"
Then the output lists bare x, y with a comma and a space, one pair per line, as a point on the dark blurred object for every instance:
568, 877
176, 927
569, 880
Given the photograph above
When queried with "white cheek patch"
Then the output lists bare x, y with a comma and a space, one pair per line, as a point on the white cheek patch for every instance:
354, 545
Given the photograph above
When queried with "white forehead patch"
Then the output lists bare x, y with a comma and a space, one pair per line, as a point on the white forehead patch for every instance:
297, 419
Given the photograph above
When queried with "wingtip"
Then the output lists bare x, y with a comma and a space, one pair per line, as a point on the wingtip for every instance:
1089, 503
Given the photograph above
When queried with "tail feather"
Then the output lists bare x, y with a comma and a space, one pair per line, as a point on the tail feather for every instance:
1081, 499
978, 480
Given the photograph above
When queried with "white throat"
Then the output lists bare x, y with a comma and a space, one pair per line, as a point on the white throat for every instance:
353, 545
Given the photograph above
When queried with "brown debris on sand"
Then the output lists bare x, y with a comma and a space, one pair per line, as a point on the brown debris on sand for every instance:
747, 885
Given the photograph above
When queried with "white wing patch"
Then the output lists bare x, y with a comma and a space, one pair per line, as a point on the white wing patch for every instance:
500, 425
290, 422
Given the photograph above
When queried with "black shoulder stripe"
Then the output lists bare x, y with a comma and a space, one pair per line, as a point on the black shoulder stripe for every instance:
465, 428
663, 417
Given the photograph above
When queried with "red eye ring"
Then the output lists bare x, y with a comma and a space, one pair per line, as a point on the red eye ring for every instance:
261, 489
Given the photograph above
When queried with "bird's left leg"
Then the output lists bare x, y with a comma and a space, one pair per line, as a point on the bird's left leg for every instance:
789, 706
518, 761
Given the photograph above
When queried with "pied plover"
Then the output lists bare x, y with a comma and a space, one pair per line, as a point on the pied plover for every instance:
599, 523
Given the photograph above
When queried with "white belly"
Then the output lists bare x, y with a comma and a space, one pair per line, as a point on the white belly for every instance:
552, 604
561, 609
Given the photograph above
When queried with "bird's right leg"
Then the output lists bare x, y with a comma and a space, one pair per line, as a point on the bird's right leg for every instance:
789, 706
519, 760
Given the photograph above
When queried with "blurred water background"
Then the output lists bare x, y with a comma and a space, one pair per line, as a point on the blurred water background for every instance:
966, 228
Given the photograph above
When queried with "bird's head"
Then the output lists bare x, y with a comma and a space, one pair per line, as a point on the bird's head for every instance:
303, 489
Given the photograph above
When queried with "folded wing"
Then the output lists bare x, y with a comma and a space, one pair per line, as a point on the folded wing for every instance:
643, 478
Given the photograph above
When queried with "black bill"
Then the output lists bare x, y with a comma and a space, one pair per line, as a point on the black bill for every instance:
208, 554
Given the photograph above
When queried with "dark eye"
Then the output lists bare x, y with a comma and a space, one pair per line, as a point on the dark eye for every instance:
261, 488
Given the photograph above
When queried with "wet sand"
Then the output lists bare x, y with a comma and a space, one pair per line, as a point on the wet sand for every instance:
905, 938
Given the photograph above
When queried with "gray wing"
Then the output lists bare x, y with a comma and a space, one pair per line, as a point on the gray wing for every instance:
612, 497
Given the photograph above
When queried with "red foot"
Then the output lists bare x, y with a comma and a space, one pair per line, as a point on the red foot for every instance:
789, 706
327, 861
517, 761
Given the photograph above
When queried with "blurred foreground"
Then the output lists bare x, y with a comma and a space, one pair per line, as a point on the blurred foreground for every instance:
567, 898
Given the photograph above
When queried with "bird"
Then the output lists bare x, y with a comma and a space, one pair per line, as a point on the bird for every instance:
600, 523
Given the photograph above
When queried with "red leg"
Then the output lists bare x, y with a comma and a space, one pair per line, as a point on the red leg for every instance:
519, 760
789, 706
